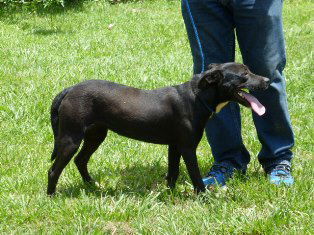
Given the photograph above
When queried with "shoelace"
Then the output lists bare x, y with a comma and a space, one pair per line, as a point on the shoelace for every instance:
282, 170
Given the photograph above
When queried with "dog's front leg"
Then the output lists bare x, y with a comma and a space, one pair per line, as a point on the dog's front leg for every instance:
189, 157
174, 156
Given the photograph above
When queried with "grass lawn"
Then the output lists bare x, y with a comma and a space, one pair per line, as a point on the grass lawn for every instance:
142, 44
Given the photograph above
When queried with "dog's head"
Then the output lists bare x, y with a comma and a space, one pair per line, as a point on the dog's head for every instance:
230, 79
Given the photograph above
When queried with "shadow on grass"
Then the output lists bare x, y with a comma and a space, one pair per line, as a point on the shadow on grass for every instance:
140, 180
47, 32
137, 180
122, 1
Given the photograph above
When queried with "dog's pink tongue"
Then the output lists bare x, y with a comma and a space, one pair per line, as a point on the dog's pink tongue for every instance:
255, 104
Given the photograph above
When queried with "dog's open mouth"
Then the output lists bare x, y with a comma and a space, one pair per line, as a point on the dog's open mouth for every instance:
256, 106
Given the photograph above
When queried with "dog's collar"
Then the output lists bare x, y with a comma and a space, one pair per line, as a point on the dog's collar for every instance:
203, 102
197, 94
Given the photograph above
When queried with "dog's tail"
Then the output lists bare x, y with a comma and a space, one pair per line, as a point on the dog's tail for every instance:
54, 117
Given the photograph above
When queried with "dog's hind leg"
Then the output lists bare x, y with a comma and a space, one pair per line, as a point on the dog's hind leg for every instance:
67, 147
174, 156
93, 138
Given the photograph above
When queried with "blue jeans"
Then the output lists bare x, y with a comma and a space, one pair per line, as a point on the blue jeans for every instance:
211, 26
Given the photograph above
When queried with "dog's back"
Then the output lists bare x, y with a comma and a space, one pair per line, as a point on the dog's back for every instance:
145, 115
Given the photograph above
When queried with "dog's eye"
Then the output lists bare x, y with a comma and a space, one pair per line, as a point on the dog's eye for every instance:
244, 77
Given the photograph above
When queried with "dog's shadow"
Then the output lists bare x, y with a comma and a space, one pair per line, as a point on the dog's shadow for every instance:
138, 179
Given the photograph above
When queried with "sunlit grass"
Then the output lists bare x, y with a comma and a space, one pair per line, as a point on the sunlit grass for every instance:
141, 44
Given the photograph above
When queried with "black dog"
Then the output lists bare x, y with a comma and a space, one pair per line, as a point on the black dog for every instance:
175, 116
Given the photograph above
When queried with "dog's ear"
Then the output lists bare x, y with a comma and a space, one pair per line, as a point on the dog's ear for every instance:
210, 76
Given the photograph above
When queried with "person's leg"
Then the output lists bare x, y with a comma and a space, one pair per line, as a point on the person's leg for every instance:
260, 35
210, 29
